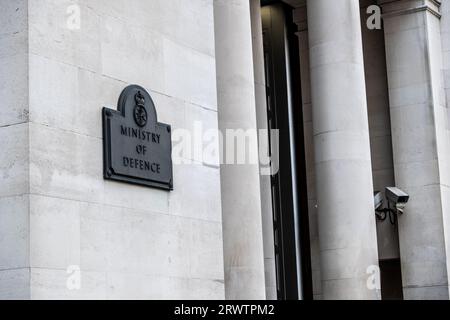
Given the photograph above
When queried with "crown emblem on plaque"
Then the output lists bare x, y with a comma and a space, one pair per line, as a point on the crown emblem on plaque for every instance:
140, 113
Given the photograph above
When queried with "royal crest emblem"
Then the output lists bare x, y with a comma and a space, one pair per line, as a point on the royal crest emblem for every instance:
140, 114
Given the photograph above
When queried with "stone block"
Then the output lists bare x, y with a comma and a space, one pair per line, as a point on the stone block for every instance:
14, 162
14, 233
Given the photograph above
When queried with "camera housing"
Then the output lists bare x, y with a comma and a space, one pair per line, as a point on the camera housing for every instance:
398, 198
378, 199
396, 202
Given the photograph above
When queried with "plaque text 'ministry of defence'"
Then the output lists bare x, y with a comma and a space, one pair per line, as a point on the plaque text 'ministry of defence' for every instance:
137, 148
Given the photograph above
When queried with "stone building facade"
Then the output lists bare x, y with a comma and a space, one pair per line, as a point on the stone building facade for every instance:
359, 107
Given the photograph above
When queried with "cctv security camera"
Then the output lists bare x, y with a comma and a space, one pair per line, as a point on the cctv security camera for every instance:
378, 199
397, 198
378, 203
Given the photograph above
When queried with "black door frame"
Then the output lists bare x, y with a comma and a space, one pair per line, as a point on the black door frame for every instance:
292, 243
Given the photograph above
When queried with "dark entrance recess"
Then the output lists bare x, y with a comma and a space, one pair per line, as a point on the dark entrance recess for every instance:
391, 279
289, 195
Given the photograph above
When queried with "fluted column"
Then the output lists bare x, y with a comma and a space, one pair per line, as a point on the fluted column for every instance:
241, 202
346, 220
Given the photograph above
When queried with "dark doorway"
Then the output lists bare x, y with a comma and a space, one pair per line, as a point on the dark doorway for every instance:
289, 196
391, 279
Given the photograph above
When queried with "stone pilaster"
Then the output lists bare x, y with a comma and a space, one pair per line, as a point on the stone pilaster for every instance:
420, 143
445, 37
14, 155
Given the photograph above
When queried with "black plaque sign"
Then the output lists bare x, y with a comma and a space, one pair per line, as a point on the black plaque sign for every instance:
136, 147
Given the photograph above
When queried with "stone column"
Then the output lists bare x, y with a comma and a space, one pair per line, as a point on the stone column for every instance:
241, 201
263, 141
420, 143
346, 218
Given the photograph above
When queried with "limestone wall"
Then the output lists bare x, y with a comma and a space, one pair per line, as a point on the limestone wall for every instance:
55, 76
